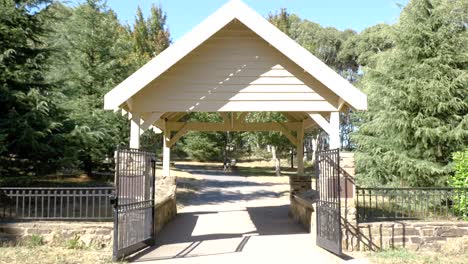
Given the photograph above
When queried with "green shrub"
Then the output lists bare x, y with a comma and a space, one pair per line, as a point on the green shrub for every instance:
75, 243
34, 241
460, 180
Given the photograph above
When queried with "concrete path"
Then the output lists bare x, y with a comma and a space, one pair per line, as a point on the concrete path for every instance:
235, 220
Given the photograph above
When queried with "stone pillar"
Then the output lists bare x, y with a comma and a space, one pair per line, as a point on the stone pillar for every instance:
348, 204
300, 184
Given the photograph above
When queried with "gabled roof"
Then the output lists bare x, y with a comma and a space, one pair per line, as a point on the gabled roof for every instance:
235, 9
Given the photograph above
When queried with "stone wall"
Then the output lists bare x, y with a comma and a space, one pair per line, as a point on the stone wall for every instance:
98, 235
165, 188
302, 211
165, 211
299, 184
413, 235
88, 234
416, 235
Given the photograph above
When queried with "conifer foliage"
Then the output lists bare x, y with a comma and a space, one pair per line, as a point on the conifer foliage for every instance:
150, 36
32, 125
418, 104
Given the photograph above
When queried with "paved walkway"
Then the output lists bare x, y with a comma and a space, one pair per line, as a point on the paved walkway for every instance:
235, 220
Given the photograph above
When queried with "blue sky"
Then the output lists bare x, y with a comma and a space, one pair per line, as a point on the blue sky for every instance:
183, 15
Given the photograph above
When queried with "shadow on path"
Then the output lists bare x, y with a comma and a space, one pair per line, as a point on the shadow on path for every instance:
227, 215
183, 231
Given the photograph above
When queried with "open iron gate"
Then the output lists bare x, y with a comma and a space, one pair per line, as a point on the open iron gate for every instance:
133, 201
328, 205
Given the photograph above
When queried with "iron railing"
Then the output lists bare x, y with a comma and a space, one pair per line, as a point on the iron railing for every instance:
56, 203
424, 203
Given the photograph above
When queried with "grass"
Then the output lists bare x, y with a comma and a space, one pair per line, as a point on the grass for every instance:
52, 255
261, 171
454, 251
80, 180
75, 243
384, 207
35, 241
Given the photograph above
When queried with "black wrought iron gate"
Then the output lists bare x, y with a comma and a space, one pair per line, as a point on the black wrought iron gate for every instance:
328, 205
133, 201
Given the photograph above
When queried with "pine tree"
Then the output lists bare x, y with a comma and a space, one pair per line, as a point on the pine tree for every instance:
33, 128
150, 36
417, 93
141, 35
362, 47
93, 59
282, 20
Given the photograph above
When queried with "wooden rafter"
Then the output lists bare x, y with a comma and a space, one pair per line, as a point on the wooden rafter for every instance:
287, 133
286, 128
177, 136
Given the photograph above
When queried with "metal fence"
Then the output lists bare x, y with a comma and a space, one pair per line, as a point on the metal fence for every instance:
56, 203
385, 204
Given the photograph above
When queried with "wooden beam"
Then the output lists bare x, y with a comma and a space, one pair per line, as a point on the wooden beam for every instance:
233, 106
241, 117
135, 131
284, 130
177, 116
233, 118
155, 129
202, 126
334, 130
225, 117
289, 116
309, 123
300, 150
321, 121
177, 136
150, 120
341, 104
130, 104
166, 171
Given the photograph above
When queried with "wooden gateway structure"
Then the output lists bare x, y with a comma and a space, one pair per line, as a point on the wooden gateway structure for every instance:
233, 63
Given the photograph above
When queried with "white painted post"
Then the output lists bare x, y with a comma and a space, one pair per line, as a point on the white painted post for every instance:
300, 150
334, 133
166, 153
135, 131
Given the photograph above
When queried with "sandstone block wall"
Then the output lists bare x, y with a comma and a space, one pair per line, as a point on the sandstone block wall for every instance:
97, 235
415, 235
299, 184
165, 211
302, 211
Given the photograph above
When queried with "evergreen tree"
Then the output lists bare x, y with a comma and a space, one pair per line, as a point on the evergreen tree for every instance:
33, 128
150, 36
417, 93
327, 44
282, 20
362, 47
93, 58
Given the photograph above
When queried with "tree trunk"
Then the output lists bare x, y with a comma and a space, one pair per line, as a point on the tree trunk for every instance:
315, 142
292, 159
276, 160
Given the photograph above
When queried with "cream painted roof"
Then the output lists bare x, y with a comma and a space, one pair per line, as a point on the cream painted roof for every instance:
236, 9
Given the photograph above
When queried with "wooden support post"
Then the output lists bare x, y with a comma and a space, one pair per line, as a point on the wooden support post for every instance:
300, 150
166, 171
334, 132
135, 131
